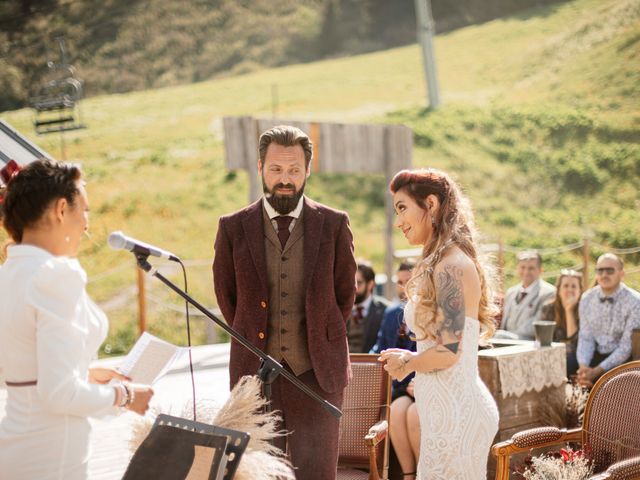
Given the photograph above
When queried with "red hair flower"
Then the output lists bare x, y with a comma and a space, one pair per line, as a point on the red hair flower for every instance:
9, 171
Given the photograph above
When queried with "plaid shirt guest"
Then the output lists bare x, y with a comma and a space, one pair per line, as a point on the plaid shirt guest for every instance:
606, 324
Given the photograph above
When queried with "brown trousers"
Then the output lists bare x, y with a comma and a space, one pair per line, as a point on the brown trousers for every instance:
313, 440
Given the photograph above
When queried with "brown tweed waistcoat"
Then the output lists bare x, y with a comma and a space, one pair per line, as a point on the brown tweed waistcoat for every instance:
286, 322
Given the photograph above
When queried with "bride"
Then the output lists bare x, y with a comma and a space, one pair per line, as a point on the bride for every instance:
450, 307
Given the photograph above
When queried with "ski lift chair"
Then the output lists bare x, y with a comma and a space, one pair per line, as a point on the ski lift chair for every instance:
56, 104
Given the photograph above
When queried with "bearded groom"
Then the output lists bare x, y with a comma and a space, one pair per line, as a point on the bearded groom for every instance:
284, 277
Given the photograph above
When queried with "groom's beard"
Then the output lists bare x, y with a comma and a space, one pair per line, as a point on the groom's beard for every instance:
283, 204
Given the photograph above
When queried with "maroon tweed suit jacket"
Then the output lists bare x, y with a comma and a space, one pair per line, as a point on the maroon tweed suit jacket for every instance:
240, 281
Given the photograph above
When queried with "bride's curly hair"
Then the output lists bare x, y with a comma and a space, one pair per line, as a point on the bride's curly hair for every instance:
453, 224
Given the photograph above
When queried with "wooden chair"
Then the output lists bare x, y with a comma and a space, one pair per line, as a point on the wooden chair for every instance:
610, 429
635, 344
364, 441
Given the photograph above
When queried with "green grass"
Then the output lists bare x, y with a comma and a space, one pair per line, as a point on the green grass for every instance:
540, 124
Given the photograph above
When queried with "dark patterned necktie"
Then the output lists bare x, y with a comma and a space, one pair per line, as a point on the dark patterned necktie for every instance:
283, 228
520, 297
358, 315
606, 299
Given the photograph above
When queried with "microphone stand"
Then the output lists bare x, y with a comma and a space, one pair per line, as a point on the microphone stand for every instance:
269, 369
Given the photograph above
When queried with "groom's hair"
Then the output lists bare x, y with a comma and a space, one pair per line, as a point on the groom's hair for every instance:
287, 136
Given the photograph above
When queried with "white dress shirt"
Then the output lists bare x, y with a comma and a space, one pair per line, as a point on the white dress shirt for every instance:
272, 213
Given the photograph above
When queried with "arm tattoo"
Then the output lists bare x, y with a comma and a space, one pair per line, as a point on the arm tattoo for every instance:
451, 301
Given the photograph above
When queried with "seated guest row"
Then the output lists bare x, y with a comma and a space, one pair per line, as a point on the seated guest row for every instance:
595, 325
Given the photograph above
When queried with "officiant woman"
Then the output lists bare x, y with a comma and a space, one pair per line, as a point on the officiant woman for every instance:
50, 330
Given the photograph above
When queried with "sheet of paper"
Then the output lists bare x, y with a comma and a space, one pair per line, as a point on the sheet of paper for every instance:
149, 359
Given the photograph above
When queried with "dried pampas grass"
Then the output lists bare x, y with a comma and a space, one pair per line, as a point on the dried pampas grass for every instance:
568, 414
243, 411
576, 401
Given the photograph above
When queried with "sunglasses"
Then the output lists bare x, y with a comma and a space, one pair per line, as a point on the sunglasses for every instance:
607, 270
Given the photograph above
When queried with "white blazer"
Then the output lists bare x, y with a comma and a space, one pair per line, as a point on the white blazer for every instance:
50, 331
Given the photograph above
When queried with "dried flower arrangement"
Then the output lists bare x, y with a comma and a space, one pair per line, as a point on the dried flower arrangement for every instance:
567, 464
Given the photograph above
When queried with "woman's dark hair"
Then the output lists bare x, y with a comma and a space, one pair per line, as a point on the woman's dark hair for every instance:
30, 192
559, 314
367, 271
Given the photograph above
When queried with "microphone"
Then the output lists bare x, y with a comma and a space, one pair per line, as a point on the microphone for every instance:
119, 241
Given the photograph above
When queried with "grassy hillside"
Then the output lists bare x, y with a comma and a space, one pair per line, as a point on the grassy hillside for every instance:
540, 124
124, 45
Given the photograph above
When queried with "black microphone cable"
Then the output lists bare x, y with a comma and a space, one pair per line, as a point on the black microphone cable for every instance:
186, 306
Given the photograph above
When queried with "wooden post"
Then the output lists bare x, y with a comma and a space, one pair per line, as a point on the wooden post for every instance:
585, 264
389, 212
501, 265
252, 136
142, 306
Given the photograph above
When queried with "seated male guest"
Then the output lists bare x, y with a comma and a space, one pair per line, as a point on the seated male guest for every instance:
608, 314
523, 302
367, 312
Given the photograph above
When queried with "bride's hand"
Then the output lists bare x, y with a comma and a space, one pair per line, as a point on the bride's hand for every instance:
396, 362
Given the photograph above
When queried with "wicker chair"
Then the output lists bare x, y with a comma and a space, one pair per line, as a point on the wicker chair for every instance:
364, 443
610, 429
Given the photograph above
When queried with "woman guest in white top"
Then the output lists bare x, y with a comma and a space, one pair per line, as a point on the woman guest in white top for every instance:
50, 330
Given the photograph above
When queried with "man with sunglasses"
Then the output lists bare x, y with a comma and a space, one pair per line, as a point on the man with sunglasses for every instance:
608, 314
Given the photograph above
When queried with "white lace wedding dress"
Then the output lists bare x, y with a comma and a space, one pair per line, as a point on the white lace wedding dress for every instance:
458, 416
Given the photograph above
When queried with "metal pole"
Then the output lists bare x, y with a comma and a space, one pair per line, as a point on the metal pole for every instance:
142, 306
426, 32
501, 265
63, 148
585, 263
388, 236
274, 100
389, 214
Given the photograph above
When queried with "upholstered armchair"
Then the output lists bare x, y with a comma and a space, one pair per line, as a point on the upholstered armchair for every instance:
364, 441
610, 429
